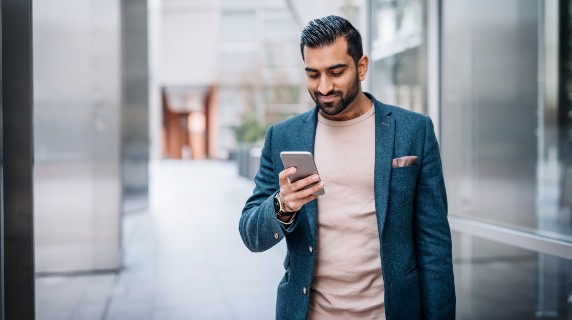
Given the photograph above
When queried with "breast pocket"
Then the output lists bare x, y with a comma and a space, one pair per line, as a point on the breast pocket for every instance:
403, 185
404, 177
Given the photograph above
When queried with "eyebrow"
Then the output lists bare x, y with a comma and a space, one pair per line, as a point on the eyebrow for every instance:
335, 66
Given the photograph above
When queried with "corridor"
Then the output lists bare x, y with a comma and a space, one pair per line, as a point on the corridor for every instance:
183, 258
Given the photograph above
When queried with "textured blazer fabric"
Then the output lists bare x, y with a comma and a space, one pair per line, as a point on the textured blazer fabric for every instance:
411, 210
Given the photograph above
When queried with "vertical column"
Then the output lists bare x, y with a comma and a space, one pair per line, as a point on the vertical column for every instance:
104, 98
135, 107
1, 182
17, 102
549, 167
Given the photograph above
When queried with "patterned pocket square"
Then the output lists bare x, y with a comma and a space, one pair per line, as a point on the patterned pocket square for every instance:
403, 161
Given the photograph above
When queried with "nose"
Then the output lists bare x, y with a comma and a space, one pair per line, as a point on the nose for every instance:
326, 86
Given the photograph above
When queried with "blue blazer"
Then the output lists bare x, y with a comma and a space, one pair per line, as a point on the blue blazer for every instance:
411, 209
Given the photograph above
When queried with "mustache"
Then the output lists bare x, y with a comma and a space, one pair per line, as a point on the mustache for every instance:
331, 93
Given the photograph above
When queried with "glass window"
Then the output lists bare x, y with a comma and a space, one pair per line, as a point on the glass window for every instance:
496, 281
282, 55
238, 26
241, 62
279, 26
398, 55
239, 2
504, 154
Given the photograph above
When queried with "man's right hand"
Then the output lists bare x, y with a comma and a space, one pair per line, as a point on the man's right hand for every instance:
292, 195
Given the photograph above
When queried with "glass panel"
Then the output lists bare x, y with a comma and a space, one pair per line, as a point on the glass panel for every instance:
398, 57
239, 2
503, 159
496, 281
237, 62
238, 26
280, 55
279, 26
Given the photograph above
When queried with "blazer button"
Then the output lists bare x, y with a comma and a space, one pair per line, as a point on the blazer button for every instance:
310, 249
276, 235
305, 290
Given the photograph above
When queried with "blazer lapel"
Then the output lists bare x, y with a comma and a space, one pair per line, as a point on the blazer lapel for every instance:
307, 135
384, 137
306, 131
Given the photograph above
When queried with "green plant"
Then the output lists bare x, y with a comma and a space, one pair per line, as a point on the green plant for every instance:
250, 130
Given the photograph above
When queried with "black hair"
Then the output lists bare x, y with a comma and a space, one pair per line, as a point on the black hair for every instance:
324, 32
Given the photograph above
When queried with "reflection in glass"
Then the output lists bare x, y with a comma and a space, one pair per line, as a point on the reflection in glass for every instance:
398, 56
496, 281
503, 159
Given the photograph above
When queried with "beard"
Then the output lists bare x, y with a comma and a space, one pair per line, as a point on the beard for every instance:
333, 108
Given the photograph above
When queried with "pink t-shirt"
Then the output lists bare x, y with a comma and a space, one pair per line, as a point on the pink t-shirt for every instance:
348, 283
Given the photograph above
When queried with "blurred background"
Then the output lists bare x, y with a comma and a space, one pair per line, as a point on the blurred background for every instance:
131, 130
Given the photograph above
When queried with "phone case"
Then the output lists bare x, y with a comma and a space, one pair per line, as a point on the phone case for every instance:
304, 163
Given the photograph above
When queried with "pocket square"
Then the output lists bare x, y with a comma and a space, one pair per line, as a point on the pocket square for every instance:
403, 161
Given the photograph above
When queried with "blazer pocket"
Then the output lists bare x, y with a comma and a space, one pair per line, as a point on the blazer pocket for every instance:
404, 161
405, 168
403, 179
404, 172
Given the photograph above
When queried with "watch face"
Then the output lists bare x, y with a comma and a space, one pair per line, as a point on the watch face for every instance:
276, 205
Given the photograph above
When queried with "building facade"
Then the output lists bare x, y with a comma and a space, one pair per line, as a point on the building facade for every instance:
495, 78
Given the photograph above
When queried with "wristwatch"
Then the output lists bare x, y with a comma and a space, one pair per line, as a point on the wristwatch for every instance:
279, 207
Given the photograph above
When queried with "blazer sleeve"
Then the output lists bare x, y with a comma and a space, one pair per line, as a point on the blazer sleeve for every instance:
433, 235
258, 226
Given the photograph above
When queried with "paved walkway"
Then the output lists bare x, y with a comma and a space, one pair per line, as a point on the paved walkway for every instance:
183, 258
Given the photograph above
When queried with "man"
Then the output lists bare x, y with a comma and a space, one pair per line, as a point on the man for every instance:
377, 245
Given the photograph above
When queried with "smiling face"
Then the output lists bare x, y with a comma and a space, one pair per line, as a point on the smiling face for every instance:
333, 79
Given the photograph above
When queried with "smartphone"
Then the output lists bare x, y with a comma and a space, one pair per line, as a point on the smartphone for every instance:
305, 166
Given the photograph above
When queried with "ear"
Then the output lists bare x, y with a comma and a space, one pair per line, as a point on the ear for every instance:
362, 66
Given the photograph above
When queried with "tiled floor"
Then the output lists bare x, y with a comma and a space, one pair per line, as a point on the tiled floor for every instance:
183, 257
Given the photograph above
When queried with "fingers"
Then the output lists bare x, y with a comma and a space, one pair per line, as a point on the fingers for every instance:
284, 174
295, 201
297, 205
307, 192
304, 182
292, 194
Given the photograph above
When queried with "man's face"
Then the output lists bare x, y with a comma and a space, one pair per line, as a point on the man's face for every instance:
332, 78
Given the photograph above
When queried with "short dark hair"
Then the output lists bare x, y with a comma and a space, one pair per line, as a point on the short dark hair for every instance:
324, 32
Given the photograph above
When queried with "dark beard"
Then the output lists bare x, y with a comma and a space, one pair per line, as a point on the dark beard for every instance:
332, 108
